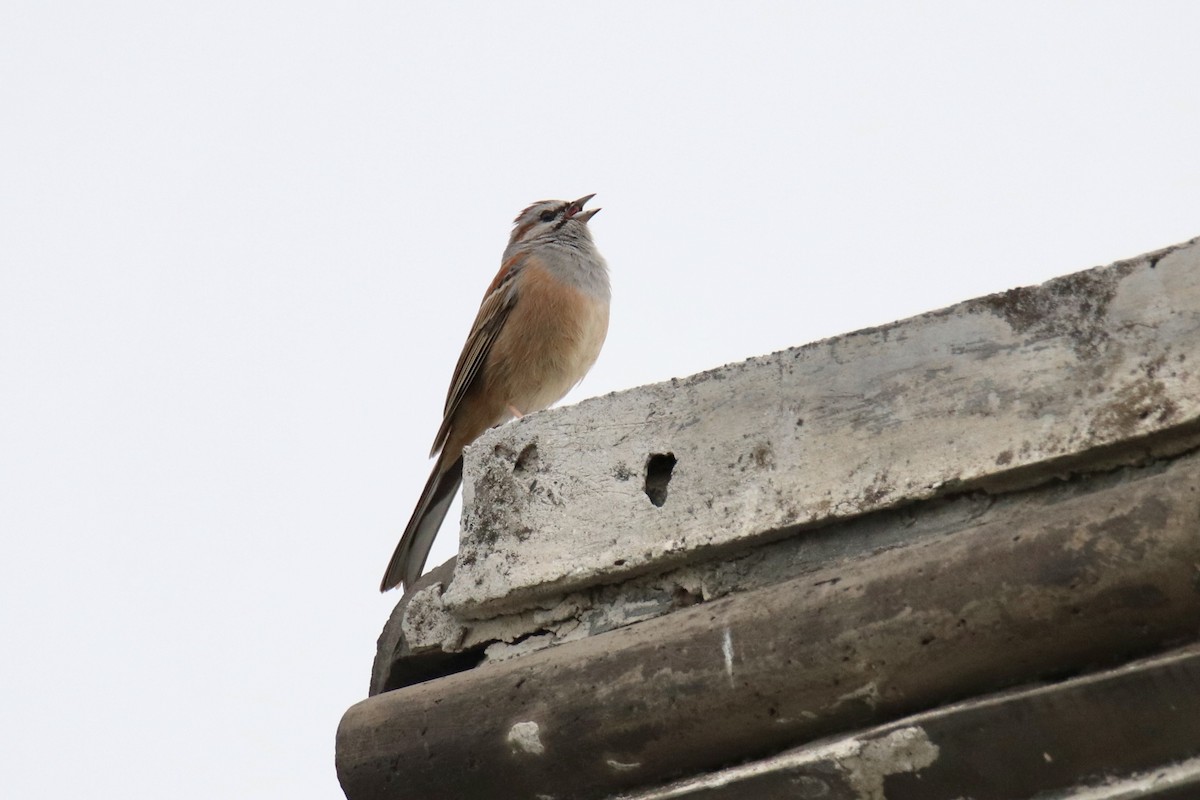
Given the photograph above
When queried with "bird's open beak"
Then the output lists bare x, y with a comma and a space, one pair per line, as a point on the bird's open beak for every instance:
575, 210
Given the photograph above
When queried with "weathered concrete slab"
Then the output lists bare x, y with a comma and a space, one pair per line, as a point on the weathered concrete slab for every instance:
1143, 740
1096, 575
424, 639
1008, 390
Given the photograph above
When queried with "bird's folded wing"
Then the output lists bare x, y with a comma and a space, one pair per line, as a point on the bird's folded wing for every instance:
493, 311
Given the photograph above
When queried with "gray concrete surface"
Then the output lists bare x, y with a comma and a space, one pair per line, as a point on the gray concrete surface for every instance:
1090, 572
661, 584
1002, 391
1017, 744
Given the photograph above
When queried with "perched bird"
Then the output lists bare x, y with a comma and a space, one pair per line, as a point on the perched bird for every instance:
538, 331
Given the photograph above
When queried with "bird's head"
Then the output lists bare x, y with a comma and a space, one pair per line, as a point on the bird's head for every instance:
552, 218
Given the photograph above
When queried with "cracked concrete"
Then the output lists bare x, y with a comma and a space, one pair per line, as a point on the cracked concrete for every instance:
996, 393
1018, 589
1149, 409
706, 572
429, 625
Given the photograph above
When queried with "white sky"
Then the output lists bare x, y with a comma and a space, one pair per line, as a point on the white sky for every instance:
241, 244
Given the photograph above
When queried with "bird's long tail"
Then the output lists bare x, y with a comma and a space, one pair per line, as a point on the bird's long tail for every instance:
409, 558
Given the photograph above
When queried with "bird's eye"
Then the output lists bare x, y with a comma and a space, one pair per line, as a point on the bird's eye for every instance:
547, 216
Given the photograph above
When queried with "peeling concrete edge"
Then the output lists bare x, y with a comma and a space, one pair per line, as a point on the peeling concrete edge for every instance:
586, 612
1172, 442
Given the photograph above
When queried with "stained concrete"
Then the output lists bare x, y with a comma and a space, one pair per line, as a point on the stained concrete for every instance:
1003, 391
661, 585
1016, 744
1080, 576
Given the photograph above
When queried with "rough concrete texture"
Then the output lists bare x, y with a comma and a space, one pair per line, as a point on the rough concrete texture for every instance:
423, 626
419, 627
1092, 369
1090, 572
1022, 743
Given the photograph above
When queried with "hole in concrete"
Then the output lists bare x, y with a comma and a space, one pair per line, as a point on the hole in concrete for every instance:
658, 474
683, 598
527, 460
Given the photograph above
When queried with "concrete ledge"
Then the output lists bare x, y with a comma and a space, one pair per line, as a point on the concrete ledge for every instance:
1090, 370
1092, 572
1143, 724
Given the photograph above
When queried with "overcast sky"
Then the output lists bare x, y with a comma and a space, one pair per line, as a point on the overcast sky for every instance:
241, 244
